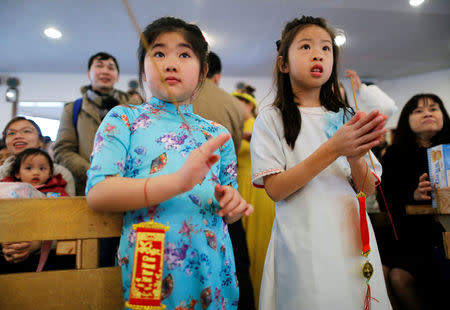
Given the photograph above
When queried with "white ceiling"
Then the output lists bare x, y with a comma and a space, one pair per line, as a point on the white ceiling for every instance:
385, 38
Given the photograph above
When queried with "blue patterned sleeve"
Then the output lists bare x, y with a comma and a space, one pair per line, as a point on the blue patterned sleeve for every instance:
110, 149
228, 164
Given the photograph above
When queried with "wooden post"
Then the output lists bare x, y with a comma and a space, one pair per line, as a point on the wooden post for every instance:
447, 244
443, 200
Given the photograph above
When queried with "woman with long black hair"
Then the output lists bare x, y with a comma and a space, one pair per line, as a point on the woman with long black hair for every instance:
411, 263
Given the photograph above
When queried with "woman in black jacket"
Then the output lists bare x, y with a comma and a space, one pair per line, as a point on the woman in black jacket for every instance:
410, 263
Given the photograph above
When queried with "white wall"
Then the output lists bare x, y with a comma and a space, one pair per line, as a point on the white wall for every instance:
263, 86
402, 89
65, 87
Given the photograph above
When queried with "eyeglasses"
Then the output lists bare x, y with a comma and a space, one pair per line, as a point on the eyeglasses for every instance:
24, 131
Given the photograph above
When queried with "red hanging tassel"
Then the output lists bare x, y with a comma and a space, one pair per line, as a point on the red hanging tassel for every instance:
368, 298
363, 224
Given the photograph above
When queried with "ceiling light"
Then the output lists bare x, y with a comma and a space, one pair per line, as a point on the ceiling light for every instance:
415, 2
12, 94
52, 33
340, 39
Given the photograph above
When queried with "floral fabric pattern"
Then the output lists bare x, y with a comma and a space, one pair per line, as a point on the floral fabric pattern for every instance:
150, 140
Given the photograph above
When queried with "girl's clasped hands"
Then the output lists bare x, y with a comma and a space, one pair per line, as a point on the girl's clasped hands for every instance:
361, 133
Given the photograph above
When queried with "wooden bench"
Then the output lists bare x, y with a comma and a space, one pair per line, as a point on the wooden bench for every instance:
87, 287
441, 213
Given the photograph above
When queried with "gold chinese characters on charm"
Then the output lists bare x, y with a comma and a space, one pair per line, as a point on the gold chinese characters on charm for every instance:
146, 280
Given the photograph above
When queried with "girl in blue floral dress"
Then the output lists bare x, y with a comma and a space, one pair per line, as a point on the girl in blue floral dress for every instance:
157, 162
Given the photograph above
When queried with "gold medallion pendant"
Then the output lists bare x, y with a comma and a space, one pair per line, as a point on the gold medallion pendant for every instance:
367, 270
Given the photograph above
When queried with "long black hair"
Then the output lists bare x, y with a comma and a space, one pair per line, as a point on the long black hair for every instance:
284, 99
406, 137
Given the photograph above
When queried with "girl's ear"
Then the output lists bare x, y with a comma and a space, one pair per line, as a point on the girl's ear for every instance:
202, 76
206, 70
282, 65
143, 77
17, 175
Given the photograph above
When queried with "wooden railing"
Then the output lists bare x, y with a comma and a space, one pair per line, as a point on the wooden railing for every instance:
441, 213
87, 287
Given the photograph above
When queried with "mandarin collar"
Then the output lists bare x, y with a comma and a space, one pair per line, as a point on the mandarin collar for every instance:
170, 107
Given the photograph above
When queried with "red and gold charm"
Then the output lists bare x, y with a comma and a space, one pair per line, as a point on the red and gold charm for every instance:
367, 268
147, 276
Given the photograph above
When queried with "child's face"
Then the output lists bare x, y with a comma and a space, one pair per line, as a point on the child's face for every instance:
34, 170
247, 107
171, 61
310, 59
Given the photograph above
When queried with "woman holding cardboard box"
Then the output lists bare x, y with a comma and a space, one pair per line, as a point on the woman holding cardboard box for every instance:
411, 263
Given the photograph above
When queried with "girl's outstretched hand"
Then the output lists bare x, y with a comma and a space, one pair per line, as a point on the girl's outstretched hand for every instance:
231, 203
200, 162
359, 134
424, 187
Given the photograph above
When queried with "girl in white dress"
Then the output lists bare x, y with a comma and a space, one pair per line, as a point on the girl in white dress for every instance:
306, 154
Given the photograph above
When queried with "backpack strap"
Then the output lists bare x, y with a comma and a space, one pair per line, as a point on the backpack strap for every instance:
76, 110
